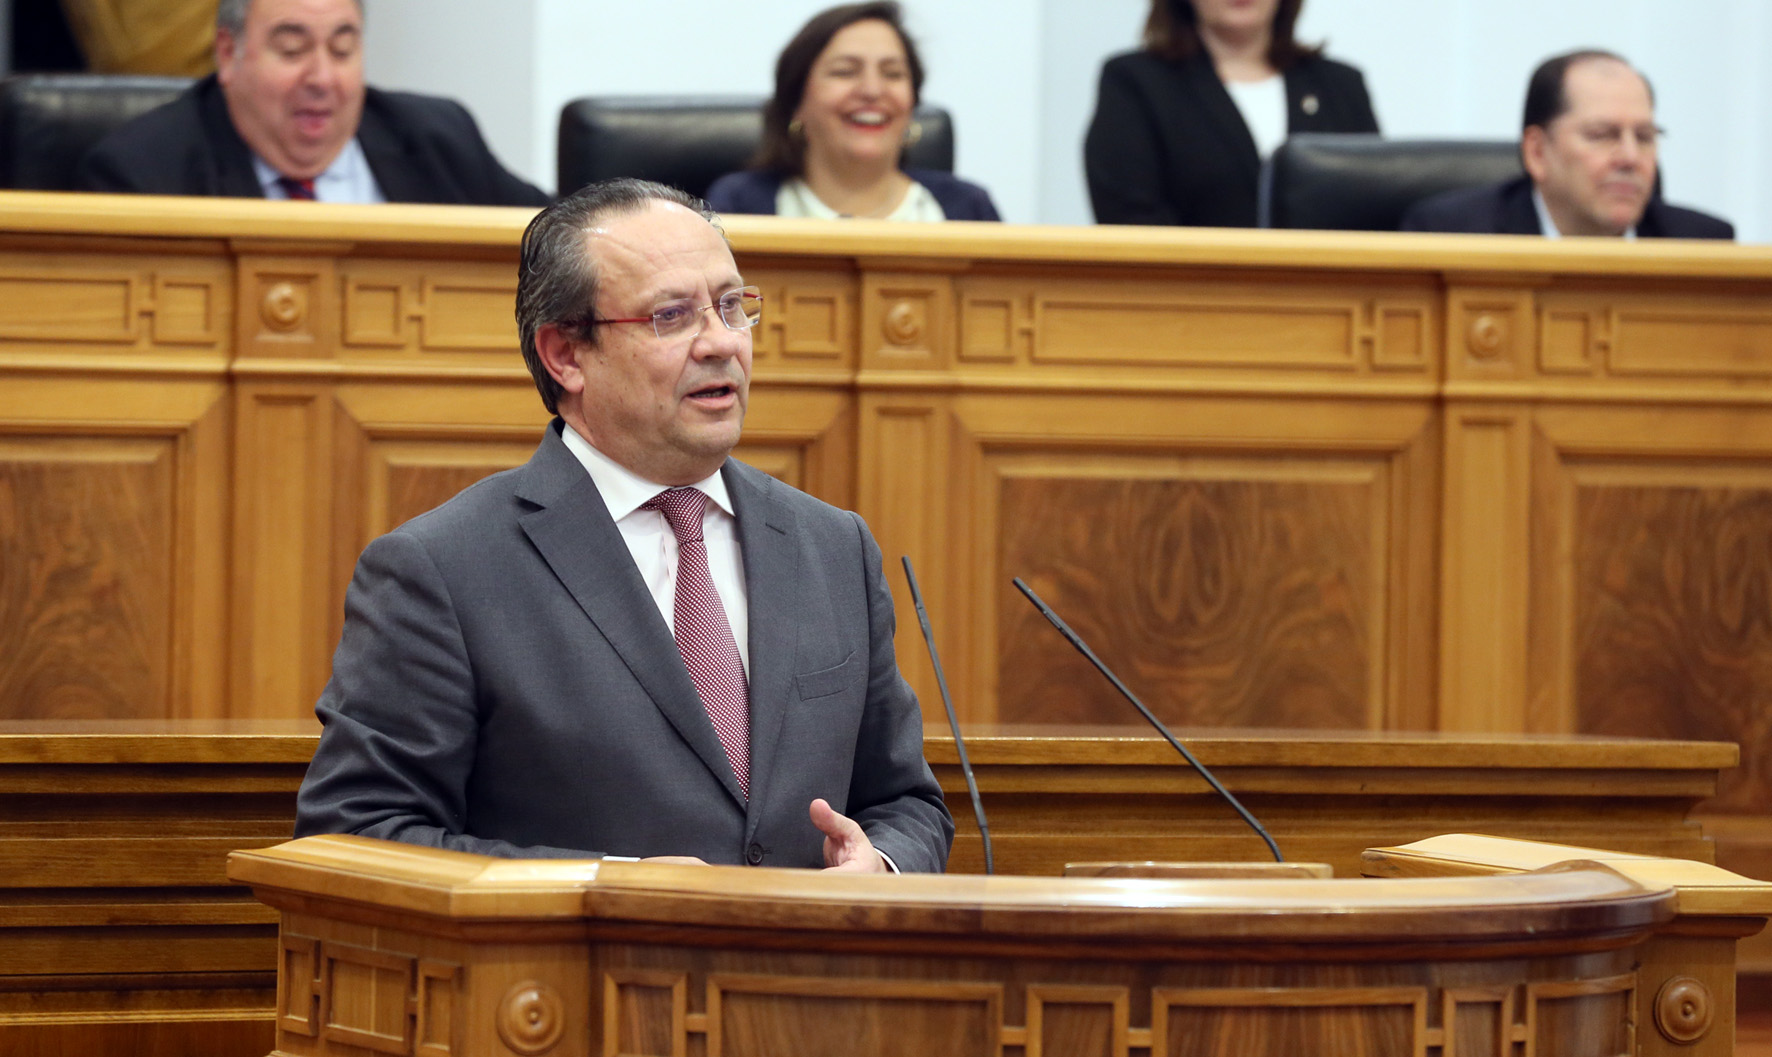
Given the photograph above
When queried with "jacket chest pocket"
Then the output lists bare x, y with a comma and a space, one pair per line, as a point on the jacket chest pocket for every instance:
827, 681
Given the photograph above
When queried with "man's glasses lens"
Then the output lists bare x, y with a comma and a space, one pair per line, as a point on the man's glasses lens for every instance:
739, 309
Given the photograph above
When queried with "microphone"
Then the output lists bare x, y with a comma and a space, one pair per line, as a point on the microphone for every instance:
1075, 640
941, 681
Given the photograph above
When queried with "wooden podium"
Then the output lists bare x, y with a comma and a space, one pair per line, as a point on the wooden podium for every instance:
1509, 948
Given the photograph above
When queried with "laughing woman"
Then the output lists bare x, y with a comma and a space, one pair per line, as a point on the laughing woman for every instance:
835, 130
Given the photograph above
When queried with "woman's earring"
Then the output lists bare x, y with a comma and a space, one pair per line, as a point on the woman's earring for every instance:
796, 129
913, 133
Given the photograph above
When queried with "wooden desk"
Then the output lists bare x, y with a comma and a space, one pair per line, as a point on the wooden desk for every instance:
119, 930
414, 951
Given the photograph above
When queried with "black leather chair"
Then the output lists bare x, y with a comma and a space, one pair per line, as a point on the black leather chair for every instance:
48, 121
689, 142
1359, 182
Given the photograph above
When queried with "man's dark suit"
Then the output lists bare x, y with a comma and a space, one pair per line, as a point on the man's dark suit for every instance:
1507, 209
420, 148
506, 685
1168, 146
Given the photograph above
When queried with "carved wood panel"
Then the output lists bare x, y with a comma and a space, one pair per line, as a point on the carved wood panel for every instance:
1673, 634
87, 539
92, 305
1225, 595
410, 309
1284, 322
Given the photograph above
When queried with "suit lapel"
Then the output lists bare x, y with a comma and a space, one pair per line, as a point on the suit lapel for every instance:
234, 175
1222, 114
572, 530
401, 177
771, 572
1519, 214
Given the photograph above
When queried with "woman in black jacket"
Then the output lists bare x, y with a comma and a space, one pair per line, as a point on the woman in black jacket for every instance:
1181, 126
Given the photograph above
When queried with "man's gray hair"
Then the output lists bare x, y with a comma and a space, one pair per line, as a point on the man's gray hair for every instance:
230, 15
556, 276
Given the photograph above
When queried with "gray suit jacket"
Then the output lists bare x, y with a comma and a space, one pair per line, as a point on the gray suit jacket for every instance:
506, 685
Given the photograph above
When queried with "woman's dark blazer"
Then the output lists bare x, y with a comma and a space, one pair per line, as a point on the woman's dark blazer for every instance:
754, 192
1168, 146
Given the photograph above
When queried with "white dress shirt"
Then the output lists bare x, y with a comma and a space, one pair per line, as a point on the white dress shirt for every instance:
795, 199
347, 179
654, 546
1263, 106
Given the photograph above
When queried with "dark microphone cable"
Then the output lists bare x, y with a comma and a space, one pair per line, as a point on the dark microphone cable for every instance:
941, 681
1071, 636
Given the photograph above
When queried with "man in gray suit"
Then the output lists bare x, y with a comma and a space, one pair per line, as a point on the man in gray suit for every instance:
633, 644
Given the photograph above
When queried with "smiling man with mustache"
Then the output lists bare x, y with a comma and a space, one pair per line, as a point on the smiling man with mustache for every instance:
1589, 147
634, 644
287, 115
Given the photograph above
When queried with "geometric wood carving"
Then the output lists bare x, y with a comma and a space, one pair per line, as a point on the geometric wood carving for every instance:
766, 1016
298, 997
365, 998
1076, 1021
1245, 602
86, 569
1581, 1018
644, 1013
437, 1030
1361, 1020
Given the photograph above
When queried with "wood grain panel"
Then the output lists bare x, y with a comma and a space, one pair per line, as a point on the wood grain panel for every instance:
92, 307
284, 494
765, 1016
1581, 1018
1372, 1021
1673, 633
1077, 1021
86, 576
644, 1013
1694, 335
1240, 602
1284, 321
1484, 570
409, 477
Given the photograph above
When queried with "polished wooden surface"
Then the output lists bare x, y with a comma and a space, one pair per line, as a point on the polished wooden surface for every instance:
413, 951
1057, 795
1686, 971
119, 931
1488, 485
1279, 479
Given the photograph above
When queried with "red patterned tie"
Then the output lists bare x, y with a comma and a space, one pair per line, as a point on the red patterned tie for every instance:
297, 190
704, 637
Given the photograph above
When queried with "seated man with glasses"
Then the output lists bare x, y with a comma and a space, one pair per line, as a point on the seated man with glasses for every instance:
633, 644
1589, 148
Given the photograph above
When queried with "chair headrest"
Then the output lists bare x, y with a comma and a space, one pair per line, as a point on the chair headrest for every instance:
691, 141
48, 121
1362, 182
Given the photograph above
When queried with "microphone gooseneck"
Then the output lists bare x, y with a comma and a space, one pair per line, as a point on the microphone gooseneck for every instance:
947, 702
1075, 640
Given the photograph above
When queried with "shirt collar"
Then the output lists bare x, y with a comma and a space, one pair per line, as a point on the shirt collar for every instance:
625, 491
1548, 227
348, 178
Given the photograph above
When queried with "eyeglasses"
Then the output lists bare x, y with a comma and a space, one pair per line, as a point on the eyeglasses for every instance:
1611, 137
739, 309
